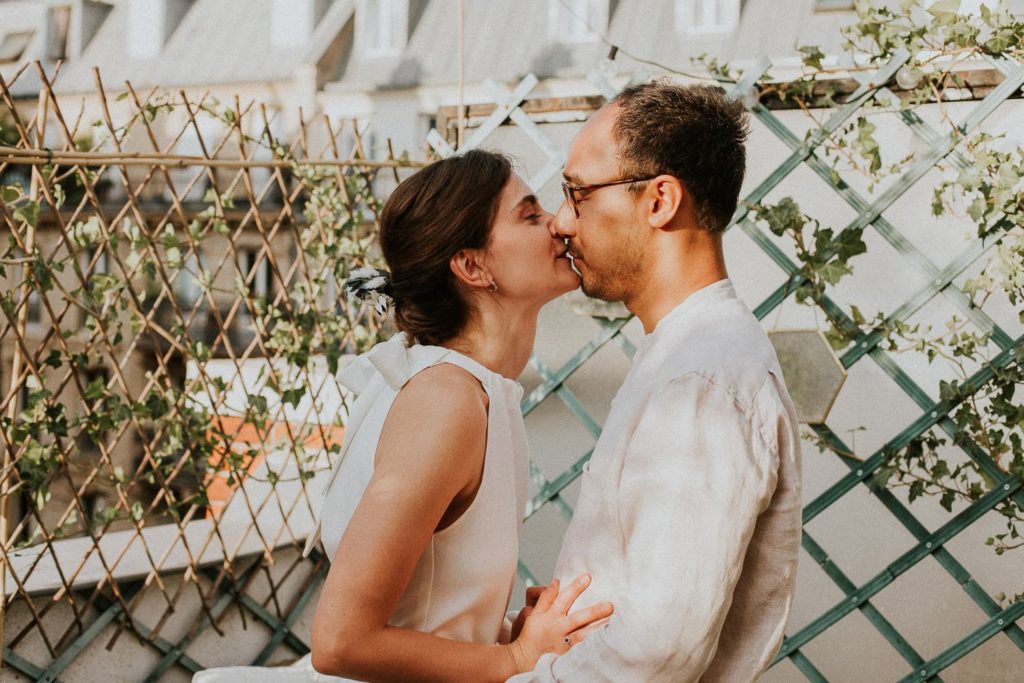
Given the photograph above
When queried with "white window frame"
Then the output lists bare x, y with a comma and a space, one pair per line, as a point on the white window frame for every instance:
716, 17
370, 28
573, 26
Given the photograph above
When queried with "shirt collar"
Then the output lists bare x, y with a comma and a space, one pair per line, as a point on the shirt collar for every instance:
684, 310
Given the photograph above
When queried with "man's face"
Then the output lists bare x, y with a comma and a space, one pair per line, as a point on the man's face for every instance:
606, 240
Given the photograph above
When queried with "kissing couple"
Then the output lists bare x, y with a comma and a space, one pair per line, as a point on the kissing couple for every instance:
679, 562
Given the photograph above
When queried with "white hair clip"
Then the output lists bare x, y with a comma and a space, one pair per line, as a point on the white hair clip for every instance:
370, 285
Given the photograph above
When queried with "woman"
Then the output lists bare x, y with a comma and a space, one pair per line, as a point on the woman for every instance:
422, 514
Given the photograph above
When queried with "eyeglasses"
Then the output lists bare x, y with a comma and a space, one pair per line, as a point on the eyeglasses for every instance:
570, 190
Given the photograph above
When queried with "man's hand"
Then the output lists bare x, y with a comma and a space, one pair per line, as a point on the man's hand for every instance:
532, 593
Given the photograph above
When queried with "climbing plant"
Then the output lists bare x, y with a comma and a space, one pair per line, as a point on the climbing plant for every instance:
981, 181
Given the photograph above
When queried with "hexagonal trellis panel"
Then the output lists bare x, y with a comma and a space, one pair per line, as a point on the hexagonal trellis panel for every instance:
813, 372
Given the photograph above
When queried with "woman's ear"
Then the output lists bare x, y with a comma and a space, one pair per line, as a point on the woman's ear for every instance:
468, 267
669, 199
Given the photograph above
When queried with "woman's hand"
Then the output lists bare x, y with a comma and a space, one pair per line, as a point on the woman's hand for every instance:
548, 626
532, 595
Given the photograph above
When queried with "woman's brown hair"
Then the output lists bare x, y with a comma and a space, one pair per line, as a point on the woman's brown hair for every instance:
432, 215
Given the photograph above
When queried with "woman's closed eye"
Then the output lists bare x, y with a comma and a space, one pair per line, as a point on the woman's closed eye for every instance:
533, 217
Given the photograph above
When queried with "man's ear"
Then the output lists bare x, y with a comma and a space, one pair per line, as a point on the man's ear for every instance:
469, 268
668, 198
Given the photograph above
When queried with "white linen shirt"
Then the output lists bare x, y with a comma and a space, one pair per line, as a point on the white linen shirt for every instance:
689, 511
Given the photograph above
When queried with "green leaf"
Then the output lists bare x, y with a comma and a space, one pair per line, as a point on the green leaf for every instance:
293, 396
833, 272
812, 56
95, 389
28, 213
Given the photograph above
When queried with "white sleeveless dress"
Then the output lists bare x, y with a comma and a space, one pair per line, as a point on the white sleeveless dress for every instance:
462, 583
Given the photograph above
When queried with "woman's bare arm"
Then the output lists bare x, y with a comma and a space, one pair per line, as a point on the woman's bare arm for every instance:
430, 454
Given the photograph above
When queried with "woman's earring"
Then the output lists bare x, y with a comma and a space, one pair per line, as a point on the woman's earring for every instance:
493, 287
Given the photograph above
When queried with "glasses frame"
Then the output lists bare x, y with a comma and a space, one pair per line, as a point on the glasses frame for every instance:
570, 190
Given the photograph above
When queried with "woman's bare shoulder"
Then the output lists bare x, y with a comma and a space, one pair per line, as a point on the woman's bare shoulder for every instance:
440, 415
447, 387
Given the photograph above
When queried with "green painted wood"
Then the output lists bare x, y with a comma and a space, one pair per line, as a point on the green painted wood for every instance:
979, 595
567, 396
19, 663
605, 335
881, 624
223, 601
284, 628
164, 646
548, 493
856, 100
807, 668
555, 486
904, 562
902, 245
967, 645
930, 418
84, 639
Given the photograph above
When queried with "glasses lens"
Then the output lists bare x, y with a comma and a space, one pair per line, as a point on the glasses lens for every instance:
570, 197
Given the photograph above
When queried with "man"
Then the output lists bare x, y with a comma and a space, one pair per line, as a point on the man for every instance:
689, 512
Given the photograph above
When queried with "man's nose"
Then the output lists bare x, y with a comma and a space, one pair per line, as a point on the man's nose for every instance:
563, 225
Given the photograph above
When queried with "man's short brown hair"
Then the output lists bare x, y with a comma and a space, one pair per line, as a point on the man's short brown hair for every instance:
692, 132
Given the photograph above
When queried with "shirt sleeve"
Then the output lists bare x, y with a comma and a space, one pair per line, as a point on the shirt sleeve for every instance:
697, 474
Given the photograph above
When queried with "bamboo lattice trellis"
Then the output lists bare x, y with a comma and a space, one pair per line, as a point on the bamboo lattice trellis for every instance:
127, 297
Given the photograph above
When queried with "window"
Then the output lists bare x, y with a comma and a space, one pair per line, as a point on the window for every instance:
188, 287
383, 26
578, 21
13, 45
35, 307
254, 259
57, 32
707, 16
102, 265
94, 383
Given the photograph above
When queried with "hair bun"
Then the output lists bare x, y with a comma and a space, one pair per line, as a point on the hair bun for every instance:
370, 285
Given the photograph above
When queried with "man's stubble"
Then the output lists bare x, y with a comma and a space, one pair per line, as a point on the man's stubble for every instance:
618, 280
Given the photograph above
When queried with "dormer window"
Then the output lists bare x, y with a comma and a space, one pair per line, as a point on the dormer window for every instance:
14, 44
707, 16
59, 25
578, 21
383, 26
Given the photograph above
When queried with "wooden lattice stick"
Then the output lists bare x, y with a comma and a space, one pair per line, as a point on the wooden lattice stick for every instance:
43, 157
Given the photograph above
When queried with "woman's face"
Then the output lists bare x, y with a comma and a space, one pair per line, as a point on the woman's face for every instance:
524, 256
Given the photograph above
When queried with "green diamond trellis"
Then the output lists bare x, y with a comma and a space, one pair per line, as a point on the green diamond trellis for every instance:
231, 590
